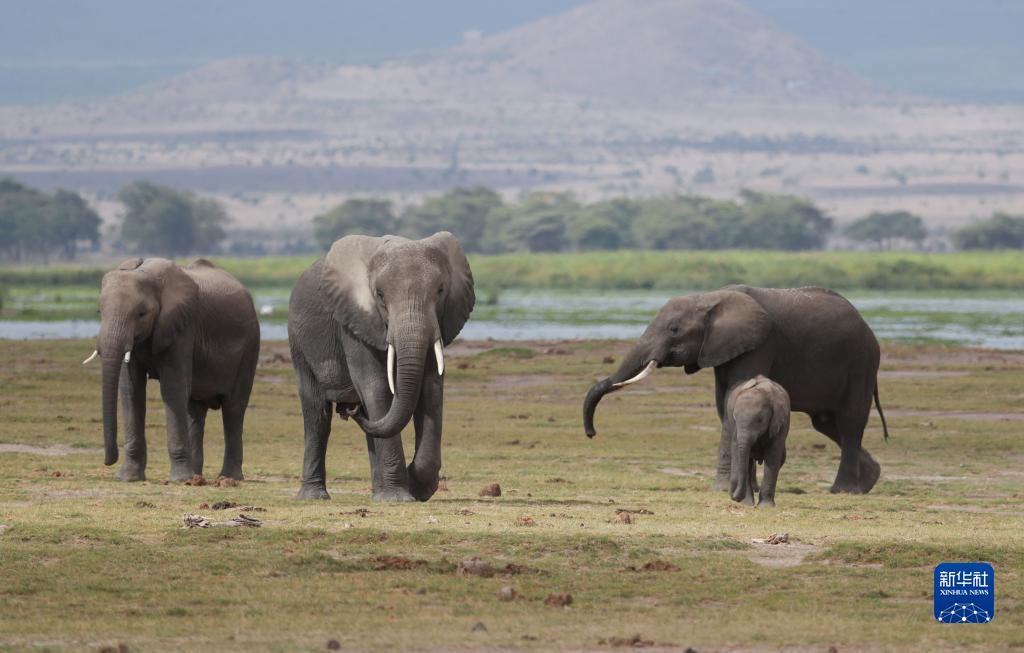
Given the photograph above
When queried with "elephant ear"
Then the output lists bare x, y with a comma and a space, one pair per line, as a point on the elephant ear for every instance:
179, 295
780, 414
735, 325
461, 296
346, 282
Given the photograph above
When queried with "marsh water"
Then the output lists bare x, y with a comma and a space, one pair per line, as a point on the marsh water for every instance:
994, 321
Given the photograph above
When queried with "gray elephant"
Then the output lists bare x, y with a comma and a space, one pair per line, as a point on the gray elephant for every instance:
811, 341
367, 327
195, 330
756, 423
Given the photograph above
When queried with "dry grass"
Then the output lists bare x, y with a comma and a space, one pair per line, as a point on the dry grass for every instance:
86, 561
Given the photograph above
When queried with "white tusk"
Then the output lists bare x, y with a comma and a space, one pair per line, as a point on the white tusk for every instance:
391, 368
639, 377
439, 355
127, 356
92, 357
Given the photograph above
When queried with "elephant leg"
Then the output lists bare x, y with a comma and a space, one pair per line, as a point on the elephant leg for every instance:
723, 463
233, 418
425, 468
175, 391
828, 424
196, 429
773, 461
387, 457
234, 408
316, 421
132, 388
752, 481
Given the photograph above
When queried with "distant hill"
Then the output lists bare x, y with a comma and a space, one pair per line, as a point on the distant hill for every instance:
663, 49
636, 53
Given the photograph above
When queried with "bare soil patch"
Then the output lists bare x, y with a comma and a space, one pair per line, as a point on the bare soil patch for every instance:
52, 450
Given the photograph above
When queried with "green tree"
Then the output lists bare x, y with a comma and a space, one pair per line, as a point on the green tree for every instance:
1001, 231
26, 216
782, 222
688, 222
462, 211
370, 217
538, 223
35, 223
167, 221
605, 225
883, 229
73, 223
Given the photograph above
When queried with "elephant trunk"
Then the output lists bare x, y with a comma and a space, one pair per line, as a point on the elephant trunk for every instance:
740, 484
412, 343
635, 366
113, 344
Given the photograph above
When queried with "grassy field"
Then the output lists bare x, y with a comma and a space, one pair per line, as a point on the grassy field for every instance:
629, 270
88, 562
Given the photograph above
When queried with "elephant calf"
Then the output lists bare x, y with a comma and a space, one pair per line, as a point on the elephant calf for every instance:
195, 330
755, 423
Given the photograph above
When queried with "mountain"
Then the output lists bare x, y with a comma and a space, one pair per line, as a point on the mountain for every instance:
657, 49
635, 53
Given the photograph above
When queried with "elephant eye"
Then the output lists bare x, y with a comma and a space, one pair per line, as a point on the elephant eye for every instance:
674, 330
380, 295
440, 290
142, 312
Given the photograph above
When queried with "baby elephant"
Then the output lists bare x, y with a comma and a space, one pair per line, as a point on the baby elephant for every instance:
756, 422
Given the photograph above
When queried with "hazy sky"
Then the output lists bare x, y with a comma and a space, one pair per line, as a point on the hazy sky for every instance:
69, 48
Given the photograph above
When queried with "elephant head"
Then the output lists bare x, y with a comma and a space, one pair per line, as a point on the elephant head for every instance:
692, 332
141, 302
408, 298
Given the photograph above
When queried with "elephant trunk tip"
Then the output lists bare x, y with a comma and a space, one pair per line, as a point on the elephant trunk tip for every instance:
599, 390
110, 455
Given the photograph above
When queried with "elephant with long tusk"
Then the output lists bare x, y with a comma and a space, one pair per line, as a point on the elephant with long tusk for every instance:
367, 327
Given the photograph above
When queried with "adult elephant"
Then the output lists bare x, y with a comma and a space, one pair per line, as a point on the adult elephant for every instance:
367, 326
195, 330
811, 341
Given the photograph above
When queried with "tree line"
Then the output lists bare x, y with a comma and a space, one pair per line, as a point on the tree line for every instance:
557, 222
161, 220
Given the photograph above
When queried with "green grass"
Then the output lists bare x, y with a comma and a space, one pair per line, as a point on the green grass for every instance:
651, 270
87, 561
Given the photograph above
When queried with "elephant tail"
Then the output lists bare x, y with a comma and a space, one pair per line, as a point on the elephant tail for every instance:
878, 405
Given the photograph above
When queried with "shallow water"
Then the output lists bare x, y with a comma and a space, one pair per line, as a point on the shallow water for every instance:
987, 321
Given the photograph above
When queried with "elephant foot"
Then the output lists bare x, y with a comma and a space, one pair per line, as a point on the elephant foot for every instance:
181, 472
766, 502
845, 486
419, 489
232, 472
422, 492
393, 495
131, 472
313, 492
722, 483
870, 470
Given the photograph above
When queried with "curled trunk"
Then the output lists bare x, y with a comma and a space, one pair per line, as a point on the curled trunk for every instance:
632, 365
411, 348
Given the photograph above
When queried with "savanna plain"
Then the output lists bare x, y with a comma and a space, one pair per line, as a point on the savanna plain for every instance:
625, 524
